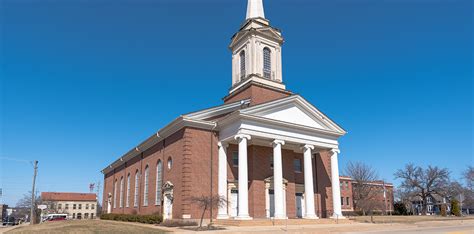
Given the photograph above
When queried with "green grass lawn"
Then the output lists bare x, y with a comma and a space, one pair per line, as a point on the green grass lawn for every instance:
87, 226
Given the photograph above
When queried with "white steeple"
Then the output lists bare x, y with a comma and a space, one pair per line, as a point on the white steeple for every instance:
255, 9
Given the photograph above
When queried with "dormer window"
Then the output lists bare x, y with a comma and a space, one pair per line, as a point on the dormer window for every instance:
267, 63
242, 65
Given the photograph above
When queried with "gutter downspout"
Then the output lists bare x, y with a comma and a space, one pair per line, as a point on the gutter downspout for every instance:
211, 142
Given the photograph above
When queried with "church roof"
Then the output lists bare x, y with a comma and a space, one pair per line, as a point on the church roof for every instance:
293, 111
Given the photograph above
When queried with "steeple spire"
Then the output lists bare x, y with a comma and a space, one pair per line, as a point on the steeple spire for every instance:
255, 9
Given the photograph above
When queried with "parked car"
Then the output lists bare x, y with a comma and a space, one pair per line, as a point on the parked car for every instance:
55, 217
9, 221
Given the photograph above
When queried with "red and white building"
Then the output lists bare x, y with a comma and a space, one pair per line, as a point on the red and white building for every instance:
268, 151
75, 205
381, 195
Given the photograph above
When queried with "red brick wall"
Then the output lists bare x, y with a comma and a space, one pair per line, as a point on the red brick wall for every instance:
257, 93
346, 192
198, 174
323, 189
190, 150
170, 147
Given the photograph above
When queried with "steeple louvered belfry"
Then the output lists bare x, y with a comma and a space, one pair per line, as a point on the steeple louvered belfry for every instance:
256, 58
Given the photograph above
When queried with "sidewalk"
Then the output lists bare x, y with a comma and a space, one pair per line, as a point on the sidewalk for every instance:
337, 228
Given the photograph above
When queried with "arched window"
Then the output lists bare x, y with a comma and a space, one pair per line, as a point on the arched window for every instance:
145, 188
121, 193
242, 64
135, 193
267, 63
115, 194
159, 178
127, 201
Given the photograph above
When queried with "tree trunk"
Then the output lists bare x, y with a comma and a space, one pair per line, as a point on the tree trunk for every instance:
202, 215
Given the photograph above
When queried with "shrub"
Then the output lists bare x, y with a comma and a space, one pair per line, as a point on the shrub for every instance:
179, 223
399, 209
151, 219
455, 210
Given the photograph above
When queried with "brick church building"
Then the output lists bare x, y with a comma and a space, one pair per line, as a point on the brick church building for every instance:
267, 151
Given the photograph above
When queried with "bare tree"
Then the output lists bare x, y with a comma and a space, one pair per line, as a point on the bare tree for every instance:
468, 175
424, 182
364, 194
405, 196
207, 202
25, 202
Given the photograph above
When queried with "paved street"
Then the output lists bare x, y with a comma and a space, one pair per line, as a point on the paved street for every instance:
461, 229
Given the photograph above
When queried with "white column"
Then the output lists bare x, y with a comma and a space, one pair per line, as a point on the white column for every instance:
243, 210
336, 190
278, 179
308, 184
222, 179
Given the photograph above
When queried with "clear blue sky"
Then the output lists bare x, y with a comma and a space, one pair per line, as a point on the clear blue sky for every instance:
82, 82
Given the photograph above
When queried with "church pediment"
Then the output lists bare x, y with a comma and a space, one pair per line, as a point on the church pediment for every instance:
294, 110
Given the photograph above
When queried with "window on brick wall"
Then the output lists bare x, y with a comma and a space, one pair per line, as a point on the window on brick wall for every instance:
127, 196
342, 201
121, 192
135, 193
297, 165
145, 187
235, 159
159, 181
348, 201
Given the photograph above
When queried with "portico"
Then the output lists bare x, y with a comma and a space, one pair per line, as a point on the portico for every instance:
270, 126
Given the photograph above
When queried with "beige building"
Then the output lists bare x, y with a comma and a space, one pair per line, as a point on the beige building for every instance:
76, 205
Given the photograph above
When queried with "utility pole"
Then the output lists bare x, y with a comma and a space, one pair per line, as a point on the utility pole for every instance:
33, 195
385, 197
98, 192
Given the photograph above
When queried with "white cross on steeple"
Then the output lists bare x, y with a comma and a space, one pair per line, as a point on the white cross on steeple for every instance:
255, 9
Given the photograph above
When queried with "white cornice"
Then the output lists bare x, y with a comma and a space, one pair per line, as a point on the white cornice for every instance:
219, 110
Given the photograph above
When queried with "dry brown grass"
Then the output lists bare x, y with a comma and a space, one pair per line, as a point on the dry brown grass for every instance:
405, 219
86, 226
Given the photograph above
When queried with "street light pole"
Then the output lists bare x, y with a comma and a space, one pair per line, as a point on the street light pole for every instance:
32, 211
